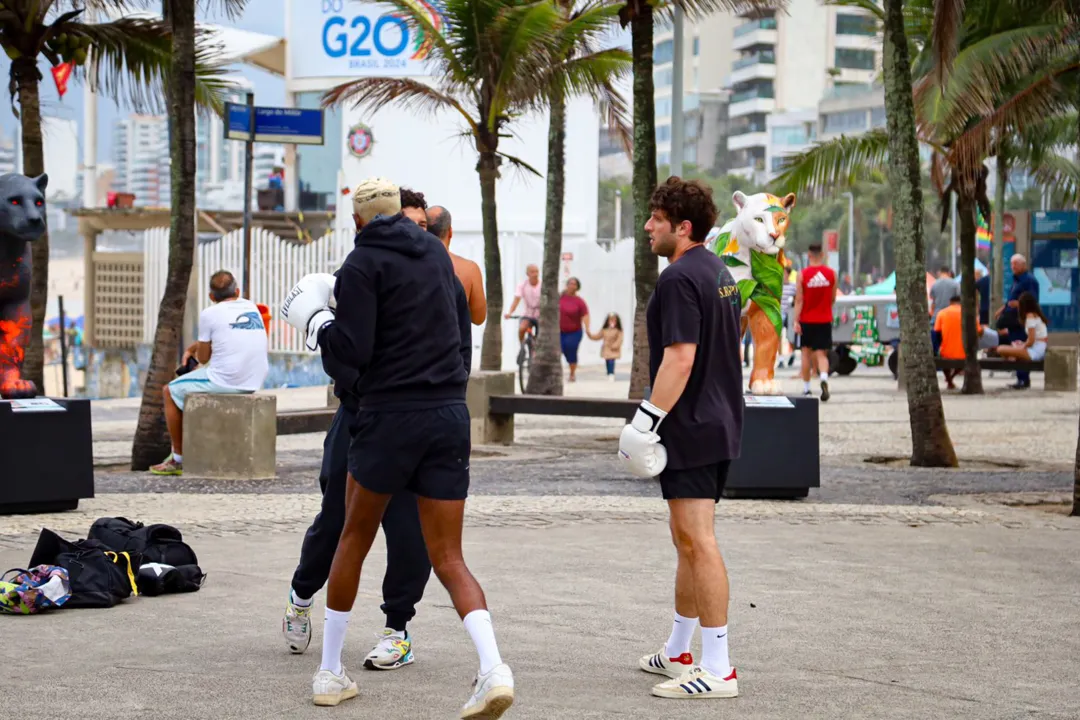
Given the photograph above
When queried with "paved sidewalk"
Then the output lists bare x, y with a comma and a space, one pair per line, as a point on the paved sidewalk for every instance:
830, 621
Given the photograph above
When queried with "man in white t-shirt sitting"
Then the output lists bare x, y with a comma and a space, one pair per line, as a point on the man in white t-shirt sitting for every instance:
527, 293
232, 356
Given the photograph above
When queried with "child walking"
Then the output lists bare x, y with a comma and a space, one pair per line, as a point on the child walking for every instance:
612, 336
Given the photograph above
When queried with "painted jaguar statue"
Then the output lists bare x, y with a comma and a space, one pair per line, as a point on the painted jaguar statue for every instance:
752, 247
22, 221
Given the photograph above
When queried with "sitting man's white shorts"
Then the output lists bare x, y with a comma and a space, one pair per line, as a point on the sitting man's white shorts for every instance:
197, 381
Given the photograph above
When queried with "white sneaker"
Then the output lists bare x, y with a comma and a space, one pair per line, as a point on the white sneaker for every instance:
330, 689
393, 650
697, 682
493, 694
660, 664
296, 626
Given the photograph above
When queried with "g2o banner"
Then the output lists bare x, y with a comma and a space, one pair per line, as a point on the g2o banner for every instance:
343, 38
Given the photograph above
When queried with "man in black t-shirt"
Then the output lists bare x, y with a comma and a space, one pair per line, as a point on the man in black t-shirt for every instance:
690, 429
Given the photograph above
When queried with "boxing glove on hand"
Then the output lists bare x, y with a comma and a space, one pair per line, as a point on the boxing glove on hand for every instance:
309, 296
317, 322
639, 445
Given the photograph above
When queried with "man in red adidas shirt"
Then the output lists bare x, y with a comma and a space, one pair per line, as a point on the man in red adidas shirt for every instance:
815, 293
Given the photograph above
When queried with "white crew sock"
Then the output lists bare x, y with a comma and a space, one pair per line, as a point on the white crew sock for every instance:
806, 386
478, 625
178, 457
333, 641
299, 601
682, 632
714, 651
824, 377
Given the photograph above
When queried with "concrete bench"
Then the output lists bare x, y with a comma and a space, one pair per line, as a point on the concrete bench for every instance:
230, 437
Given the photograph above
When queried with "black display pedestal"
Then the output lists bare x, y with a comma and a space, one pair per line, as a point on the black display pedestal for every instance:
779, 450
46, 455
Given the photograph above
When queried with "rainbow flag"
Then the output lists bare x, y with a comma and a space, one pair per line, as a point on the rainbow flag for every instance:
982, 233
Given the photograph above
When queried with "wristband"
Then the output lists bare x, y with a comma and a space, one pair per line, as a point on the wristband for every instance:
648, 417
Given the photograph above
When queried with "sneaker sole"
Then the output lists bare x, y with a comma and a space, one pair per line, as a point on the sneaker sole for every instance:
658, 671
163, 473
296, 649
681, 695
824, 392
370, 664
496, 702
332, 700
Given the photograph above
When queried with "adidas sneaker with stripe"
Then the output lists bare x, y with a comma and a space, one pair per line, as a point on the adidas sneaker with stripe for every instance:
698, 683
660, 664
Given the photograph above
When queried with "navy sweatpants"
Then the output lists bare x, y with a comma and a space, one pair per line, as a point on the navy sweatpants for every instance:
407, 566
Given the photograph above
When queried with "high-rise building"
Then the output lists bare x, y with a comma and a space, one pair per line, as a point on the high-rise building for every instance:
141, 156
770, 62
8, 155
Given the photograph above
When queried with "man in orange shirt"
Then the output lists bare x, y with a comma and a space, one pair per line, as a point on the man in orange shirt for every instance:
948, 324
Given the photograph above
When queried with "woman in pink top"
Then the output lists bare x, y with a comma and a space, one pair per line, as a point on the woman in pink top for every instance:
573, 316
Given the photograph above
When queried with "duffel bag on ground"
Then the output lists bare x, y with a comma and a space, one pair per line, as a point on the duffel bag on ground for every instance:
32, 591
158, 543
99, 577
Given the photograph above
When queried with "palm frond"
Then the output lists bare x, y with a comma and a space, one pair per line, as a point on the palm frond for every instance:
585, 27
130, 60
835, 163
523, 55
697, 9
1042, 98
443, 54
519, 164
1058, 174
231, 9
618, 117
378, 92
948, 17
983, 72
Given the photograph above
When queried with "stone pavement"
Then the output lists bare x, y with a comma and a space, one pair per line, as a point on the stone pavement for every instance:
890, 592
837, 620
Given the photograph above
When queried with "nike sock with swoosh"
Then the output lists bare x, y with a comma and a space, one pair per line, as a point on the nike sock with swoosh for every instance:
714, 651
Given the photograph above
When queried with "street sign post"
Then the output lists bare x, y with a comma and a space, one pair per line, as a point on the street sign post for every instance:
251, 124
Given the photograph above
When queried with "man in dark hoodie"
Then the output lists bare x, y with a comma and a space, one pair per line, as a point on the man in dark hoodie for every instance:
407, 566
401, 343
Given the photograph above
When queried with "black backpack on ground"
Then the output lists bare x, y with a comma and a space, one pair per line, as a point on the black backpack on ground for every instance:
155, 543
99, 576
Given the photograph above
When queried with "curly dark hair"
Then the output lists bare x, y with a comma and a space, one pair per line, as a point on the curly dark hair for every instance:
689, 200
412, 199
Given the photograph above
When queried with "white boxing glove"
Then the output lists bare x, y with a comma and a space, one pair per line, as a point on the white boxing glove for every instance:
307, 297
639, 445
317, 322
330, 281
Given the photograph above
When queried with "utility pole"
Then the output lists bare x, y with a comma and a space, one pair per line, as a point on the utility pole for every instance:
249, 152
677, 96
851, 237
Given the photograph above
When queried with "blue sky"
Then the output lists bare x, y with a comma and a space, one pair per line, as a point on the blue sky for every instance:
269, 90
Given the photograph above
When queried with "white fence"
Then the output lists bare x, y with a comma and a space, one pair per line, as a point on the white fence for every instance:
607, 278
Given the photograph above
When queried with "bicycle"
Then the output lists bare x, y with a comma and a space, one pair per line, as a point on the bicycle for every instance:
526, 352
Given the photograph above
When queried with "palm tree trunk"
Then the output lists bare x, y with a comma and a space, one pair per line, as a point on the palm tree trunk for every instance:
491, 353
997, 244
969, 309
151, 442
545, 376
646, 266
33, 155
1075, 12
930, 443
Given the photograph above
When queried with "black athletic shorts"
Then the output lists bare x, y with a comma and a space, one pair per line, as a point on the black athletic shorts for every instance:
425, 451
817, 336
705, 482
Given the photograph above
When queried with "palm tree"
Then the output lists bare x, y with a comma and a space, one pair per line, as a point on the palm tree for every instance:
151, 443
847, 159
599, 69
495, 60
640, 15
126, 59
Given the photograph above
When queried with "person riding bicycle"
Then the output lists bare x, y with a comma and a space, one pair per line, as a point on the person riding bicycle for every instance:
529, 292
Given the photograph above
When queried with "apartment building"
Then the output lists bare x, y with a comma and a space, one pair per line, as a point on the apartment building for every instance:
770, 62
141, 158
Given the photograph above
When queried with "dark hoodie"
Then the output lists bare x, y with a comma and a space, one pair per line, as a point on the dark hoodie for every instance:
401, 337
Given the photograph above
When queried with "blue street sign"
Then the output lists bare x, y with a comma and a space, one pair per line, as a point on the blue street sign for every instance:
274, 125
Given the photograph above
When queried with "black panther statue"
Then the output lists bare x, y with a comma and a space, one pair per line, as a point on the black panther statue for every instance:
22, 221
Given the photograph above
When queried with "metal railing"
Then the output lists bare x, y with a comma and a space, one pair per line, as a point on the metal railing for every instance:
765, 57
762, 24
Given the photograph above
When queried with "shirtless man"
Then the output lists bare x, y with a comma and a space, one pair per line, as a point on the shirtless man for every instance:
468, 272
